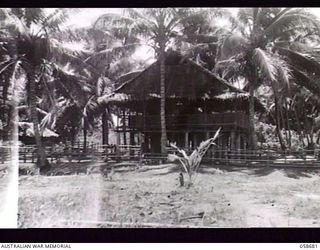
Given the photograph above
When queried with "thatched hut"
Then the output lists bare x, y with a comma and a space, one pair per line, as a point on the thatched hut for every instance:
26, 134
198, 102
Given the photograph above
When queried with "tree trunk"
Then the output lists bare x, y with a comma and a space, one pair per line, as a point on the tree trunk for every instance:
312, 135
282, 122
252, 133
124, 127
163, 104
42, 162
105, 129
318, 137
288, 124
283, 147
301, 137
7, 127
85, 136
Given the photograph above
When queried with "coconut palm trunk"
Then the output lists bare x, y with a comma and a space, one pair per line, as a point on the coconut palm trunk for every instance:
105, 129
41, 155
288, 124
278, 123
7, 128
301, 137
163, 103
252, 133
85, 132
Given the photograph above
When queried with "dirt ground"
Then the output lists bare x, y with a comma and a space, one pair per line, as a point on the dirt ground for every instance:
150, 196
3, 184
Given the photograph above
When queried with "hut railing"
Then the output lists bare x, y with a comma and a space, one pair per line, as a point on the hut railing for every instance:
190, 121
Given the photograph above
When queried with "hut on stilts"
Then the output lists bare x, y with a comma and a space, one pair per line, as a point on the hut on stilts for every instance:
198, 102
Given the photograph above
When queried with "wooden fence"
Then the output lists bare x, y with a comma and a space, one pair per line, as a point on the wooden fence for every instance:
78, 153
5, 154
98, 152
267, 158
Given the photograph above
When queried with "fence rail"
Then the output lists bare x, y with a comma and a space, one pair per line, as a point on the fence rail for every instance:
5, 154
79, 153
76, 152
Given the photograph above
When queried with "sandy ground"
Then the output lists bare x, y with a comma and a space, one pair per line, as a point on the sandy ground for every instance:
4, 177
3, 185
150, 196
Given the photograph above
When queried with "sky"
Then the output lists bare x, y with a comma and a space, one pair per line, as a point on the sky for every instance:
87, 16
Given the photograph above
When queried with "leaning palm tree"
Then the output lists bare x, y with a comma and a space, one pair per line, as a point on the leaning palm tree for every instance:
251, 51
157, 28
36, 54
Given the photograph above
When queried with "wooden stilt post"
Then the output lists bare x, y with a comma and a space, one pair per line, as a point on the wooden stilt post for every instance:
132, 142
232, 143
186, 140
238, 146
124, 126
245, 148
223, 146
118, 142
219, 148
194, 140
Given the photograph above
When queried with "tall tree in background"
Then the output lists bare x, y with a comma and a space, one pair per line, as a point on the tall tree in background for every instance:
156, 27
251, 51
36, 53
108, 51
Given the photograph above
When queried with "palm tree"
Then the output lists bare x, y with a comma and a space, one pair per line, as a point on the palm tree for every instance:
107, 52
202, 36
6, 52
36, 54
157, 28
252, 51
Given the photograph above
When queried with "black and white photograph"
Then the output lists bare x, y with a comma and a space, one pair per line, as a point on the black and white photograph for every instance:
160, 117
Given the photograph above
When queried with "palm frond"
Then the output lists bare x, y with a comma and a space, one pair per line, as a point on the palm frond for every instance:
295, 18
66, 55
230, 69
69, 85
264, 63
13, 23
115, 52
305, 80
303, 61
283, 69
50, 119
26, 108
57, 18
277, 17
108, 20
181, 151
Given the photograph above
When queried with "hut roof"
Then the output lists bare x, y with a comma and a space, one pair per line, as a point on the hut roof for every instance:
126, 77
219, 103
29, 131
184, 78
